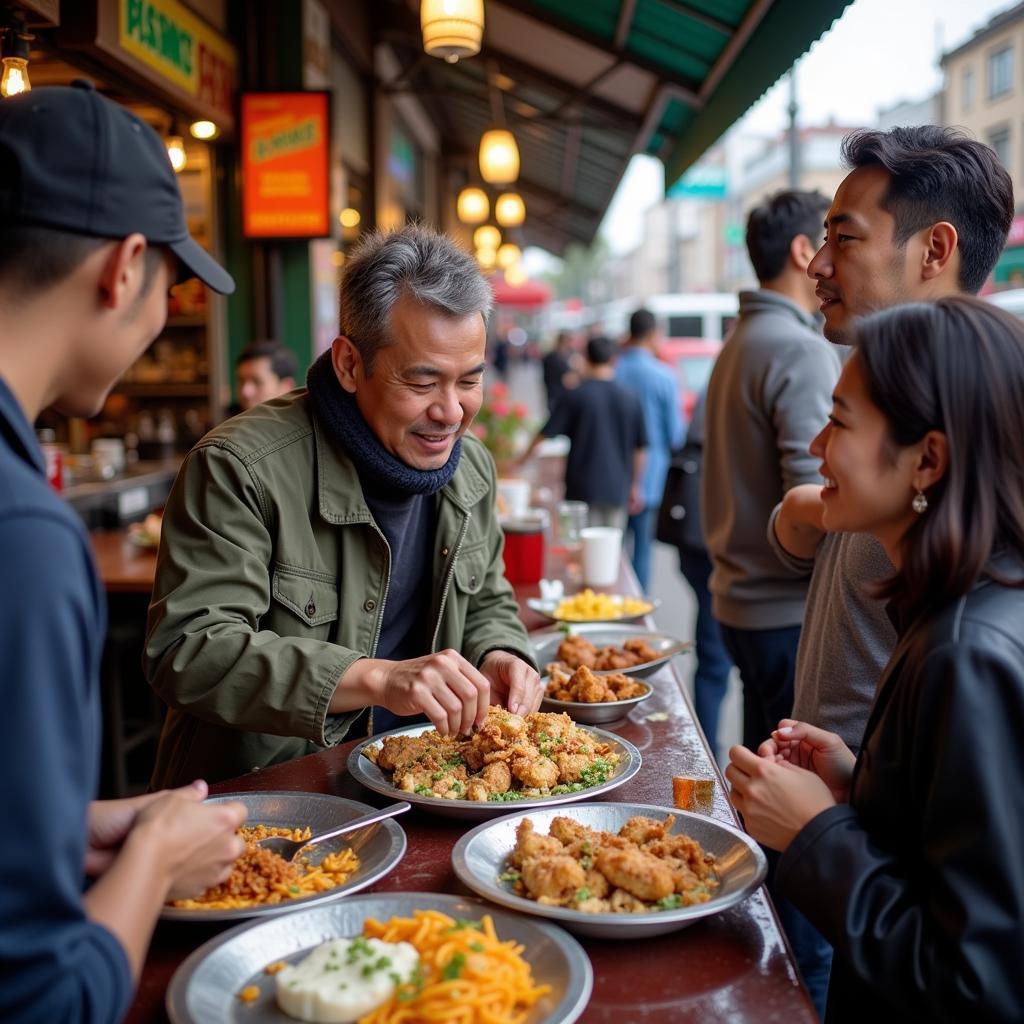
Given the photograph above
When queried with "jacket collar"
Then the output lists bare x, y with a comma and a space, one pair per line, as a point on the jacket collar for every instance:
764, 300
340, 491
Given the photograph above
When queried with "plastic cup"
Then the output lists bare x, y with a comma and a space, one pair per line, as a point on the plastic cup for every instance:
513, 496
602, 552
524, 547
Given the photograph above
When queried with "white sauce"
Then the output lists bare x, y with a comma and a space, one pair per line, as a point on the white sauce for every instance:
344, 979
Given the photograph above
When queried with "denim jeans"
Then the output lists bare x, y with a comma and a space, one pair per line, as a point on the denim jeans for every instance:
641, 528
711, 680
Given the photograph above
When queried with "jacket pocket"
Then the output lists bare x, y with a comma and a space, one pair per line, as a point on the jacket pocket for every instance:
471, 567
310, 595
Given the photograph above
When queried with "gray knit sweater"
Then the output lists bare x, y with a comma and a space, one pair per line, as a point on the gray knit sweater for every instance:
769, 394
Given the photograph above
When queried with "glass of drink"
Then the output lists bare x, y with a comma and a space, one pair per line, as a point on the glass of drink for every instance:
572, 518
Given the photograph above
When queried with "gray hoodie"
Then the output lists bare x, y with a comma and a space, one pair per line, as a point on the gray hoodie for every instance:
770, 393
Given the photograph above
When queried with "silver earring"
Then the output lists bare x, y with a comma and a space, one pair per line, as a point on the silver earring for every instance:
920, 503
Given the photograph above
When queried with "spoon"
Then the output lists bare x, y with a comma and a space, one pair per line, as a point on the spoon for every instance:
288, 848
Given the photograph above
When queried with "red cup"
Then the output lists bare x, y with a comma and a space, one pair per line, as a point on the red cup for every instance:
524, 548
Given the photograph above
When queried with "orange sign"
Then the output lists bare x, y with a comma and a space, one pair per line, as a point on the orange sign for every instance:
285, 184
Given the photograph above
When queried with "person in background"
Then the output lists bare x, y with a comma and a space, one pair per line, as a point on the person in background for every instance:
768, 394
654, 384
91, 239
263, 370
908, 856
607, 438
679, 524
557, 367
338, 549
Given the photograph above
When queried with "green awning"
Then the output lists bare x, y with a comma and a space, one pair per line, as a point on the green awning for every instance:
1010, 267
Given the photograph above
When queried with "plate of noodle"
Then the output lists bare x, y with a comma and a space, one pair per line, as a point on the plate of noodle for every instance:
263, 884
535, 760
611, 870
476, 964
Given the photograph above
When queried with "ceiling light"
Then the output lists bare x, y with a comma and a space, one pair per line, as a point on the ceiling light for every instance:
204, 130
509, 209
176, 152
508, 254
499, 157
349, 217
452, 28
487, 237
473, 206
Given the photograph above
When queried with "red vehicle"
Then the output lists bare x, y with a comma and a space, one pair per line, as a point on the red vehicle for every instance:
691, 359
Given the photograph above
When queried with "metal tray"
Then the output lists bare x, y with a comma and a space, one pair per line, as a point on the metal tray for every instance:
545, 645
379, 846
204, 988
596, 713
363, 770
547, 606
479, 858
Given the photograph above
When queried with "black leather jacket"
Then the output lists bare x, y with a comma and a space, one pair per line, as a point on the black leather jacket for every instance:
919, 881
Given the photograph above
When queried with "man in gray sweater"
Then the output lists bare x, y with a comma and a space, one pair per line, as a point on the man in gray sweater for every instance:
769, 394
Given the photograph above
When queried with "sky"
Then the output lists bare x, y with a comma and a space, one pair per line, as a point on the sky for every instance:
879, 53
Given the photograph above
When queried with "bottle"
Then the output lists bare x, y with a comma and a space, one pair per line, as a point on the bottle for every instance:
54, 456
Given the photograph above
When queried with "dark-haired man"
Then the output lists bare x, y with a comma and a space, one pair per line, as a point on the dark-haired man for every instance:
92, 235
605, 425
769, 392
924, 213
263, 370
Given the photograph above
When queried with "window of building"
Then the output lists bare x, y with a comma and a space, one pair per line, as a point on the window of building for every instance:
1000, 71
968, 93
999, 140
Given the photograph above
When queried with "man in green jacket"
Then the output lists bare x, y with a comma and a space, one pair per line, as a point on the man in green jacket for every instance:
337, 548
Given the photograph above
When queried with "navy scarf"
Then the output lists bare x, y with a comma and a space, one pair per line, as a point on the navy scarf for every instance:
337, 410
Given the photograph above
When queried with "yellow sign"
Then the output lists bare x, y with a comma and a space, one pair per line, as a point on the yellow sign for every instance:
173, 42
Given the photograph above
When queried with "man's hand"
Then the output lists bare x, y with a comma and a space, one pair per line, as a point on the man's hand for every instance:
776, 798
110, 821
513, 682
817, 750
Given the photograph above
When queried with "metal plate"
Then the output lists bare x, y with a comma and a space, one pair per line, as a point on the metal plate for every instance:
363, 770
545, 645
204, 988
379, 847
479, 858
596, 713
547, 607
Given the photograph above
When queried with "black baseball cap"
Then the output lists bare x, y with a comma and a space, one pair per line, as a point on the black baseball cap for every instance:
74, 160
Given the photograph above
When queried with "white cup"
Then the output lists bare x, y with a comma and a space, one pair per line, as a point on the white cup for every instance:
513, 496
602, 551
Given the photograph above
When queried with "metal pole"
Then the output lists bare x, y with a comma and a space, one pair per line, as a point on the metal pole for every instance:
794, 136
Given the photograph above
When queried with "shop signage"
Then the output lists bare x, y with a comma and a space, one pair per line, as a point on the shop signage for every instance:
702, 181
179, 47
285, 189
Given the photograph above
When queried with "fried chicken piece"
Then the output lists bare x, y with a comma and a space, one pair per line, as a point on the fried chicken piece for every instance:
622, 902
477, 791
553, 879
557, 726
576, 651
568, 830
401, 750
624, 687
500, 729
642, 649
531, 844
535, 773
636, 871
497, 777
641, 830
571, 766
608, 658
589, 689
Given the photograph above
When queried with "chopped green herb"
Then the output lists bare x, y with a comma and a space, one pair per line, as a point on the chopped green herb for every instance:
342, 984
396, 978
382, 962
331, 967
367, 970
413, 987
505, 798
477, 947
672, 902
293, 889
587, 846
453, 968
586, 862
422, 790
509, 876
584, 750
462, 923
581, 895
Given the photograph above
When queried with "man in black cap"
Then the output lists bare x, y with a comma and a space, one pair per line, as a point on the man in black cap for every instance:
92, 234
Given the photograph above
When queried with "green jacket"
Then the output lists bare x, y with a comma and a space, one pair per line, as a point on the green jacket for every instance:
272, 579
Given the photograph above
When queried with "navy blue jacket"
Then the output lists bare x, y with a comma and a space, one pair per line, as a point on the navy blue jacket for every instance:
55, 964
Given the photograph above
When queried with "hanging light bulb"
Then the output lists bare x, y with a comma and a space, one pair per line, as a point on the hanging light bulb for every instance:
349, 217
176, 152
486, 257
15, 77
508, 255
515, 275
499, 157
204, 130
487, 237
452, 28
509, 209
472, 206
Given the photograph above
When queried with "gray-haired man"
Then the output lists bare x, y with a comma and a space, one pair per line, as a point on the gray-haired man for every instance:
337, 549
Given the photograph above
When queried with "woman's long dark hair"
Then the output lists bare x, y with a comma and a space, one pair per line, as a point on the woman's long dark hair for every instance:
957, 366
